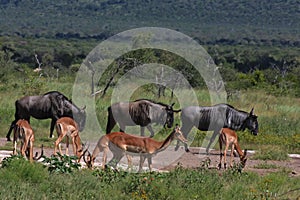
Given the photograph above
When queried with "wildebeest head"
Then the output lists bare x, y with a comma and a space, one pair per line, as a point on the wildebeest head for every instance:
78, 114
251, 123
81, 117
170, 115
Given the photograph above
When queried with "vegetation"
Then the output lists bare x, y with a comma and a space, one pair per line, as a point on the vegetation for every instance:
255, 45
21, 179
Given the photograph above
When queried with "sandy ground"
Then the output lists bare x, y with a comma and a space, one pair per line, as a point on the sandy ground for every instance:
169, 159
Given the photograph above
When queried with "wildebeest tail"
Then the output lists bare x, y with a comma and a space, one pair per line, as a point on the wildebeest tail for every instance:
111, 122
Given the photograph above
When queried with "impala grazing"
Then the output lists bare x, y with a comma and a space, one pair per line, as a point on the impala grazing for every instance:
229, 137
24, 132
67, 127
122, 143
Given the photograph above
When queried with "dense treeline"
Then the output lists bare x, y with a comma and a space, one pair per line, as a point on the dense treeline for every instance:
218, 21
241, 66
254, 43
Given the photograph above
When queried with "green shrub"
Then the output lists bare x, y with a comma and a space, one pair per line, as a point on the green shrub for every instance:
61, 163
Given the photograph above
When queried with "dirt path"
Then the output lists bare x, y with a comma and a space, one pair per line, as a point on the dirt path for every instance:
169, 159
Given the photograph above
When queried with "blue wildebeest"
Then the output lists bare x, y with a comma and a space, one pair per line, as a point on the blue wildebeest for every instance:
214, 118
53, 105
141, 112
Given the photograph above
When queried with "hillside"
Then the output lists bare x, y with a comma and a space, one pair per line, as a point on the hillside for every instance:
216, 21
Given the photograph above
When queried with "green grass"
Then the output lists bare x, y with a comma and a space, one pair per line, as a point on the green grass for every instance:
22, 180
271, 152
265, 166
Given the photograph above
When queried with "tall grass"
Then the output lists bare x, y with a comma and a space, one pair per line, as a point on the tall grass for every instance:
278, 117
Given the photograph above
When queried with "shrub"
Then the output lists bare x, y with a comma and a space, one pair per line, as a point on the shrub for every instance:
61, 163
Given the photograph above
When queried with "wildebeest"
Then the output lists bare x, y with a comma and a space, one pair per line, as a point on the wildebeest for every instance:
142, 112
53, 105
214, 118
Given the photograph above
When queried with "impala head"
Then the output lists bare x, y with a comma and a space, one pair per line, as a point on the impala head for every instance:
244, 158
89, 161
179, 135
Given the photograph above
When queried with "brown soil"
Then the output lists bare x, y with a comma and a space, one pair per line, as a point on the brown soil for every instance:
195, 158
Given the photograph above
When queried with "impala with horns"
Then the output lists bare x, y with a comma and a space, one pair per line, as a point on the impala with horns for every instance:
24, 132
67, 127
229, 137
122, 143
51, 105
142, 112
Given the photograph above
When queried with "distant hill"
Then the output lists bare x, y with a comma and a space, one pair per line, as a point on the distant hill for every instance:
210, 21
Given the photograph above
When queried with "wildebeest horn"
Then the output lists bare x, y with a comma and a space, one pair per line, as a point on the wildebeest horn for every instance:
251, 112
36, 154
172, 104
176, 111
84, 107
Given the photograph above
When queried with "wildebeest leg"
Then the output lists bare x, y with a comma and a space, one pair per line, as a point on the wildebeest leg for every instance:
142, 131
149, 127
212, 139
53, 121
122, 128
185, 130
13, 124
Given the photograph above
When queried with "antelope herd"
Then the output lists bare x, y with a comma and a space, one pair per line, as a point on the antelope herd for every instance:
123, 144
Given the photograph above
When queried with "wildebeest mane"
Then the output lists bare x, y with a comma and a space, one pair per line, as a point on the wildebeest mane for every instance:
139, 112
152, 101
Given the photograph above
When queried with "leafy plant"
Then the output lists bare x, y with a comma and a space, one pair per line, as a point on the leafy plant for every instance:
6, 162
61, 163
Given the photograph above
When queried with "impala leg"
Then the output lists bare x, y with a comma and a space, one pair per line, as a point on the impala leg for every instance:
225, 151
185, 130
231, 154
129, 160
23, 147
67, 145
74, 136
105, 150
142, 160
150, 163
57, 143
31, 151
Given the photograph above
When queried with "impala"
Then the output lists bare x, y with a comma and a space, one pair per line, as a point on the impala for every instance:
229, 137
122, 143
67, 127
24, 132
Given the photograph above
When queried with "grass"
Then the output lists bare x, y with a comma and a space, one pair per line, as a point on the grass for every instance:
265, 166
278, 116
21, 179
271, 153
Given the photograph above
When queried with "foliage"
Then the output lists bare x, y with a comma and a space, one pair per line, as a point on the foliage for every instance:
61, 163
21, 179
223, 22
